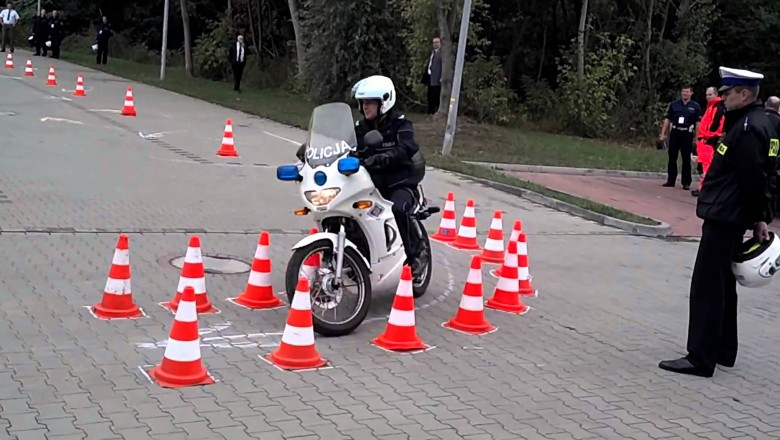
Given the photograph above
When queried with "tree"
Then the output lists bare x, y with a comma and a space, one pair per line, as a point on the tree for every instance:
185, 19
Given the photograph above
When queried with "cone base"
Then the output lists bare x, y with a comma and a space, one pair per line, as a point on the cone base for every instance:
443, 238
80, 94
51, 84
202, 309
227, 153
287, 362
473, 329
492, 257
28, 74
106, 312
385, 342
517, 308
529, 292
128, 113
168, 380
271, 302
466, 246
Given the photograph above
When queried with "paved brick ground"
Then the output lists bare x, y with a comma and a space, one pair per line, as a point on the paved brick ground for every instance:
581, 364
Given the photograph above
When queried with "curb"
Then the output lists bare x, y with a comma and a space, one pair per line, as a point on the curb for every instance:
571, 171
662, 230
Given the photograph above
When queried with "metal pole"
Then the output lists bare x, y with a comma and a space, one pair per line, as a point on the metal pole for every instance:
452, 116
164, 50
39, 7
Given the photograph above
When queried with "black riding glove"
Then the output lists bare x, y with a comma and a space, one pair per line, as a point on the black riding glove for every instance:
379, 160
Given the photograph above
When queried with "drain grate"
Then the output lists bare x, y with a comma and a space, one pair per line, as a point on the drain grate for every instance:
4, 198
218, 264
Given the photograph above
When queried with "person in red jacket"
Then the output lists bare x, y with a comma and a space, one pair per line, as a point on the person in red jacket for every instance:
710, 130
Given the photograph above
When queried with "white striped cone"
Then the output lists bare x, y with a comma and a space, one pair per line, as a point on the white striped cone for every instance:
311, 266
9, 61
129, 108
117, 299
401, 331
523, 275
51, 80
182, 364
471, 312
259, 292
28, 69
467, 233
193, 274
79, 87
494, 244
517, 228
448, 224
297, 350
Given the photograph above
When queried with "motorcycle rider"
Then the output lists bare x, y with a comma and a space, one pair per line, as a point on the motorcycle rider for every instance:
397, 166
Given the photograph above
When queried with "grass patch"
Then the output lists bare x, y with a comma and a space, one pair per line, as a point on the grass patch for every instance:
475, 142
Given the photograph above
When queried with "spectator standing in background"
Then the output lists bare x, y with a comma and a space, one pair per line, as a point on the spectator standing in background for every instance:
55, 33
103, 34
682, 117
710, 130
8, 19
432, 77
40, 32
238, 61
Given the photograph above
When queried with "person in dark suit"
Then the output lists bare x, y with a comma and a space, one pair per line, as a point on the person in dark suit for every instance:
238, 61
41, 33
432, 77
104, 32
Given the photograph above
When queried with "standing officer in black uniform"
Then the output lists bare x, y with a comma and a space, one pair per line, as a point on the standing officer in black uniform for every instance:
55, 33
736, 196
103, 34
683, 118
40, 32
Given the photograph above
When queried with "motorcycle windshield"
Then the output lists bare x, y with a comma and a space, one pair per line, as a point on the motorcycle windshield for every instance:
331, 134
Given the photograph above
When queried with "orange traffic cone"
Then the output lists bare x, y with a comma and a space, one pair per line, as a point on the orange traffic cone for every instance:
52, 78
467, 233
471, 313
517, 228
228, 147
524, 277
129, 107
297, 350
193, 274
401, 332
447, 226
494, 245
311, 265
80, 87
117, 300
28, 70
182, 365
9, 61
259, 292
506, 296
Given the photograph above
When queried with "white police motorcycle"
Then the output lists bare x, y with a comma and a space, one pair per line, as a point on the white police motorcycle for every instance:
359, 246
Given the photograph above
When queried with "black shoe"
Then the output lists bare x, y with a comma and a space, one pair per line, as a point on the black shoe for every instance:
684, 366
686, 187
726, 362
695, 193
668, 184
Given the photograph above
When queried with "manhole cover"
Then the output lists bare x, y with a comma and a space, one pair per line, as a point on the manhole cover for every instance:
219, 264
6, 113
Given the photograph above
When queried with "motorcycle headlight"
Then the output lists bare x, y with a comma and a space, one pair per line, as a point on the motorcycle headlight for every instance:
323, 197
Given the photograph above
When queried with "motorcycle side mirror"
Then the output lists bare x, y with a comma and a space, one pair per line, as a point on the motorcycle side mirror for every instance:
373, 139
288, 173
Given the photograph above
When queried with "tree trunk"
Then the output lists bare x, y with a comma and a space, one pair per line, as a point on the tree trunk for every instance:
185, 21
581, 42
252, 30
299, 46
648, 46
229, 10
447, 55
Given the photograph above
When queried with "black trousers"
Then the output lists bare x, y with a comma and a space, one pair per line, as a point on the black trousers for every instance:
680, 143
403, 204
434, 95
40, 46
102, 52
238, 72
712, 324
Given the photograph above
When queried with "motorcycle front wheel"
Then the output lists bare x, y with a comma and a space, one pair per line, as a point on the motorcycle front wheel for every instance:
420, 284
326, 296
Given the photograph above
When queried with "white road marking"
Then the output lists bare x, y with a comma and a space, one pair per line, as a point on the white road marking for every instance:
69, 121
282, 138
61, 98
105, 110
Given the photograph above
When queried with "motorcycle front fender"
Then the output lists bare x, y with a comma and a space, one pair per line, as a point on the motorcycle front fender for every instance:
309, 239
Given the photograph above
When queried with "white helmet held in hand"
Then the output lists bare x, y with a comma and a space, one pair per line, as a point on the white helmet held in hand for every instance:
378, 88
755, 263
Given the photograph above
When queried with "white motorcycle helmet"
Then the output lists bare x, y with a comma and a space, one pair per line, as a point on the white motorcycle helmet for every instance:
379, 88
755, 263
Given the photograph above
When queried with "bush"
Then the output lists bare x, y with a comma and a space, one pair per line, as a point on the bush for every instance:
486, 97
210, 54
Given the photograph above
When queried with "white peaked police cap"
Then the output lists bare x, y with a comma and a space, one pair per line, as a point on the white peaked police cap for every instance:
738, 77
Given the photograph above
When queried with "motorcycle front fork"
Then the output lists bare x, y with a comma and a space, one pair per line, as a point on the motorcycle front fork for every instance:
340, 245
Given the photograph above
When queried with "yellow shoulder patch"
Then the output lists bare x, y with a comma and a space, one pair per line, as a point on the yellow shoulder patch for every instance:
722, 149
774, 146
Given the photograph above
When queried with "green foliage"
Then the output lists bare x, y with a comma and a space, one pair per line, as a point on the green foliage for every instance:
211, 57
591, 103
348, 41
485, 95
